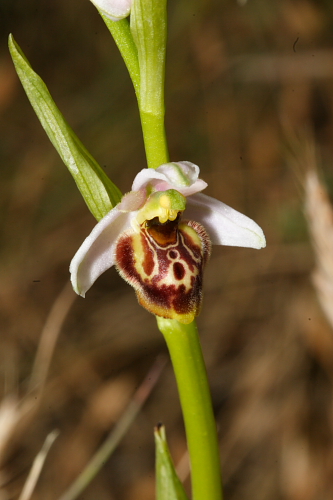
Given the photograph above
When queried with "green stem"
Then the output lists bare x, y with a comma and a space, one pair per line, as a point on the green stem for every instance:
149, 30
154, 138
186, 356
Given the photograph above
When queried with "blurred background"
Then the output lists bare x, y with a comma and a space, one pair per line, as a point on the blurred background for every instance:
249, 96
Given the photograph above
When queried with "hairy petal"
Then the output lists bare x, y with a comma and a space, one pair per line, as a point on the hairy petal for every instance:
224, 225
96, 253
182, 176
164, 264
114, 9
134, 200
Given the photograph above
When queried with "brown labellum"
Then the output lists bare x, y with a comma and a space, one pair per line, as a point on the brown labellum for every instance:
164, 263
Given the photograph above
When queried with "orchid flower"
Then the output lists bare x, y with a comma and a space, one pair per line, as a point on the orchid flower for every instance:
114, 9
159, 237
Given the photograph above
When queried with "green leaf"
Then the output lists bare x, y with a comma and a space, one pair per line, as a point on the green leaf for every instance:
99, 193
168, 485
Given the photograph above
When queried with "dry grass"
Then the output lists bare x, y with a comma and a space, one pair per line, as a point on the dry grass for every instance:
320, 216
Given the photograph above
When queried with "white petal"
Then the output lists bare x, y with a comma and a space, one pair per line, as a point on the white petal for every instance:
182, 173
145, 177
196, 187
224, 225
114, 9
182, 176
96, 254
134, 200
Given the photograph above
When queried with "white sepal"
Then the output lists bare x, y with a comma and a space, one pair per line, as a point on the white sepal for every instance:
96, 254
182, 176
224, 225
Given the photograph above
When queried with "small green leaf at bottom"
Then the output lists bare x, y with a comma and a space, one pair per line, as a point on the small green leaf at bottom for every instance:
168, 485
99, 193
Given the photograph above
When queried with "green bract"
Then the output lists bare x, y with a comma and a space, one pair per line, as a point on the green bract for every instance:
120, 30
99, 193
142, 44
168, 485
148, 26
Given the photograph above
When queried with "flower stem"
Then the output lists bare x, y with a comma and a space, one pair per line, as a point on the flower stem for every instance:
154, 139
149, 30
186, 356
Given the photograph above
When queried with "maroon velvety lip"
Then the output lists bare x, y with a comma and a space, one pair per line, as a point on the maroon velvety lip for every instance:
164, 263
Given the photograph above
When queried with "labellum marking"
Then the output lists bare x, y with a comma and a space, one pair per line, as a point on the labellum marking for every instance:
164, 263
